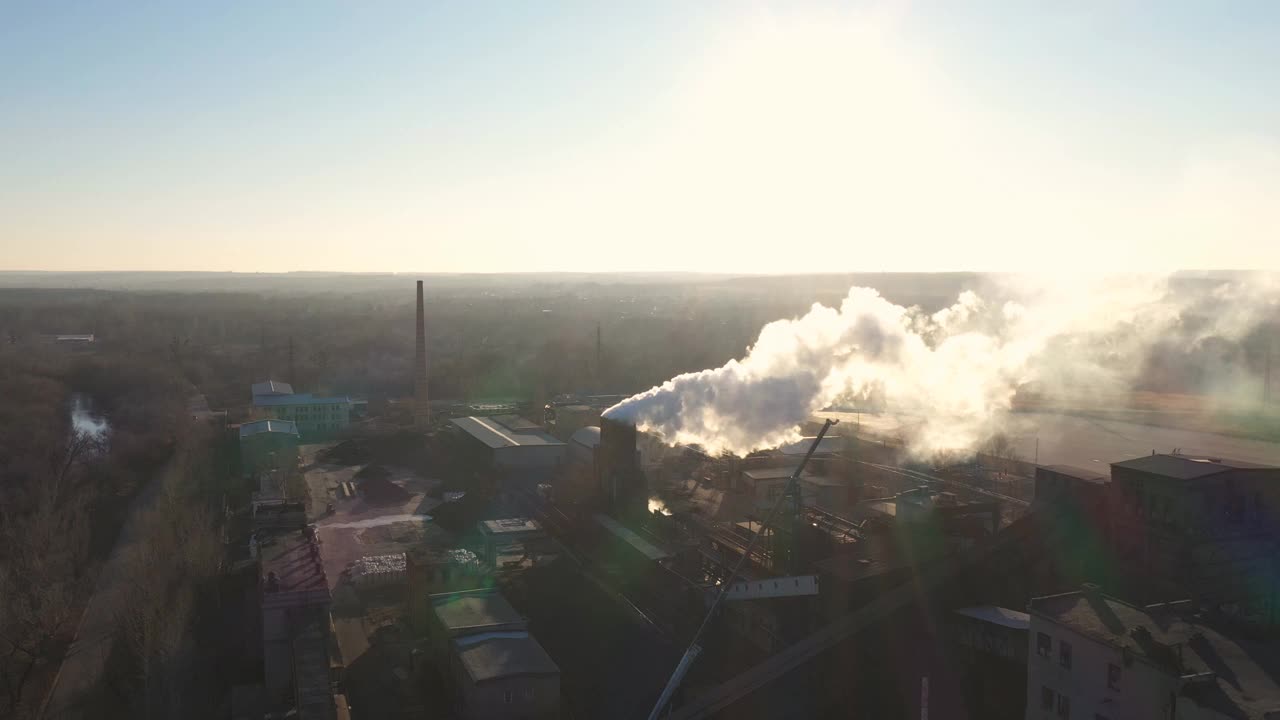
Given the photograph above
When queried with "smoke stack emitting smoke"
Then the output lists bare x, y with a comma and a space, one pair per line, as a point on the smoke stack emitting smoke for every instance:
958, 369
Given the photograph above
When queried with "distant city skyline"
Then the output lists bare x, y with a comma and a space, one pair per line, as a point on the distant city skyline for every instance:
611, 137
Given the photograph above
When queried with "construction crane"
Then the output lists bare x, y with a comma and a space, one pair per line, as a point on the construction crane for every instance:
792, 494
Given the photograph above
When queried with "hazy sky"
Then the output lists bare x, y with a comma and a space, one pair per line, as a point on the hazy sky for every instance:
741, 136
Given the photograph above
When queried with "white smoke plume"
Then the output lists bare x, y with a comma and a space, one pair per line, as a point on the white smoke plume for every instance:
958, 368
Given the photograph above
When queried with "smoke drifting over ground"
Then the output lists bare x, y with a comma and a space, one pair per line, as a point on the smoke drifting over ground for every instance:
957, 368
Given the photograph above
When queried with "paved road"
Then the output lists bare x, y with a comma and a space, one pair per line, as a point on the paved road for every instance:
73, 693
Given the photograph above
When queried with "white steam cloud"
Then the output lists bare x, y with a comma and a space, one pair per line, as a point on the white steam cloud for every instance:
958, 368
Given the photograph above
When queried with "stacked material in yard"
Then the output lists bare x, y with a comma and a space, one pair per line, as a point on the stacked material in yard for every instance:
379, 570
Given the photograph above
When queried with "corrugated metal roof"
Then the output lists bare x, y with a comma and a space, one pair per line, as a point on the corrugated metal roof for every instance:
501, 656
298, 399
272, 387
474, 611
497, 434
644, 547
265, 426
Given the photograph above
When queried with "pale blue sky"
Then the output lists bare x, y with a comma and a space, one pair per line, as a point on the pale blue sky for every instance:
638, 136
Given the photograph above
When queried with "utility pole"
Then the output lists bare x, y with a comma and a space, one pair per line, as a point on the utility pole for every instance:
293, 378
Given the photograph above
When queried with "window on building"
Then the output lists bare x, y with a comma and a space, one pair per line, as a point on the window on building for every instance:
1113, 676
1046, 698
1044, 644
506, 697
528, 693
1064, 706
1064, 654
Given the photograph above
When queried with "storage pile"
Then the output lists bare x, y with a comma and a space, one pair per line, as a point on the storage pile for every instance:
379, 570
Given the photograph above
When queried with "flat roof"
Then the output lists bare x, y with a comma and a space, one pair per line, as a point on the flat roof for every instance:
511, 525
500, 431
299, 399
646, 548
258, 427
823, 480
491, 656
1187, 467
775, 473
465, 611
997, 615
1092, 476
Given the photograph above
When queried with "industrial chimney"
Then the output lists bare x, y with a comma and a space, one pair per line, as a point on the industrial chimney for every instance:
622, 482
421, 408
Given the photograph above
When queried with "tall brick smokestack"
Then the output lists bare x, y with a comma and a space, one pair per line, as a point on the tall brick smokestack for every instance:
421, 408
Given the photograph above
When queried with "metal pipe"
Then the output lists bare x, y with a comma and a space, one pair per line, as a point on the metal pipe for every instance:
686, 660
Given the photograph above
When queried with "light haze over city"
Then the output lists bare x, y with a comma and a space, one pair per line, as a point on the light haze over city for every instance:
740, 137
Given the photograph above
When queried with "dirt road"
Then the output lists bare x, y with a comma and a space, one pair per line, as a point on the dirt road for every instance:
75, 688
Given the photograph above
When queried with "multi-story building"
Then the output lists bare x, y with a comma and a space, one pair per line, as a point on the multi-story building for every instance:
1199, 528
1176, 526
315, 416
1093, 657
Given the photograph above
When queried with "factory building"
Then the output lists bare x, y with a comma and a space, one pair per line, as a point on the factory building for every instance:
1178, 526
267, 445
1090, 655
509, 442
765, 485
499, 670
566, 420
296, 638
314, 416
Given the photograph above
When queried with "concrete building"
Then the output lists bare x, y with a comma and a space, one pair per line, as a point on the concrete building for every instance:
267, 445
990, 645
509, 442
499, 670
566, 420
1055, 484
313, 415
1199, 528
1095, 657
509, 538
764, 485
1176, 526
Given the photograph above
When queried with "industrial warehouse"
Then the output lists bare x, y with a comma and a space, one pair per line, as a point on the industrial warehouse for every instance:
773, 583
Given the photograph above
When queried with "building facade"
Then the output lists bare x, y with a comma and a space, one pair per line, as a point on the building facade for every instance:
1094, 657
314, 416
1173, 526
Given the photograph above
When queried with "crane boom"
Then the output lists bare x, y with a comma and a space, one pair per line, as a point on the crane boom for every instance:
686, 660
